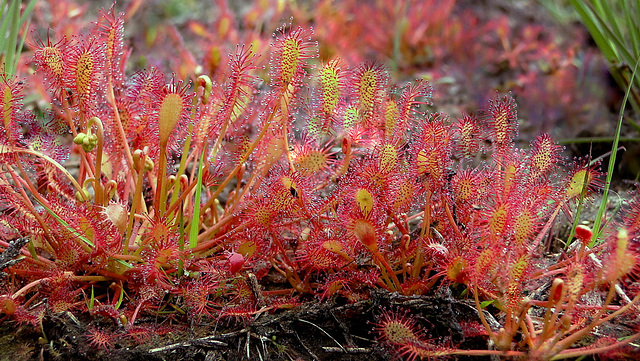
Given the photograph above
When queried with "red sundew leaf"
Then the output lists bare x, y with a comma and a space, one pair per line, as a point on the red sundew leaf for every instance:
309, 158
631, 218
173, 113
198, 294
518, 274
469, 135
84, 74
526, 223
99, 338
406, 194
509, 179
582, 179
281, 196
46, 135
106, 310
237, 313
334, 284
53, 60
329, 97
622, 258
369, 81
144, 86
584, 234
498, 221
413, 96
502, 120
10, 106
431, 150
290, 49
545, 155
465, 185
435, 131
137, 110
109, 30
321, 255
83, 222
8, 305
397, 329
237, 93
240, 80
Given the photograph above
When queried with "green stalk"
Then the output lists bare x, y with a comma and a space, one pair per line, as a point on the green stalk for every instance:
244, 158
97, 185
194, 227
160, 199
205, 82
612, 160
138, 159
597, 140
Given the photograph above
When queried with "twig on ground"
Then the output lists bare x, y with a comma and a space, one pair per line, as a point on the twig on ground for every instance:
347, 350
209, 341
8, 257
306, 348
323, 331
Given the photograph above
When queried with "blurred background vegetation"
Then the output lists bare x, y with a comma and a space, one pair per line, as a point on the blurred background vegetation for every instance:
565, 61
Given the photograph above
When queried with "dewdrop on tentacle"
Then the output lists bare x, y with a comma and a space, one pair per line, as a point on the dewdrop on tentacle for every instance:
545, 153
364, 199
369, 80
387, 158
290, 47
503, 120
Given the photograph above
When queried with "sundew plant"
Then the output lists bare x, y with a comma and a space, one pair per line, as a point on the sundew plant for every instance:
141, 197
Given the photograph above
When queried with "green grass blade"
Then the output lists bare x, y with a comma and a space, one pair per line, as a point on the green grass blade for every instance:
5, 16
26, 14
68, 227
612, 159
615, 42
10, 42
10, 26
194, 226
612, 22
2, 9
632, 27
124, 263
26, 20
591, 23
19, 49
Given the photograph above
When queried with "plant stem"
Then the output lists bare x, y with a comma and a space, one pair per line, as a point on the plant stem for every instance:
160, 200
98, 168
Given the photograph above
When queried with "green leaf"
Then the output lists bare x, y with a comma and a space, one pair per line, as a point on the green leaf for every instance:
120, 299
91, 300
124, 263
484, 304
